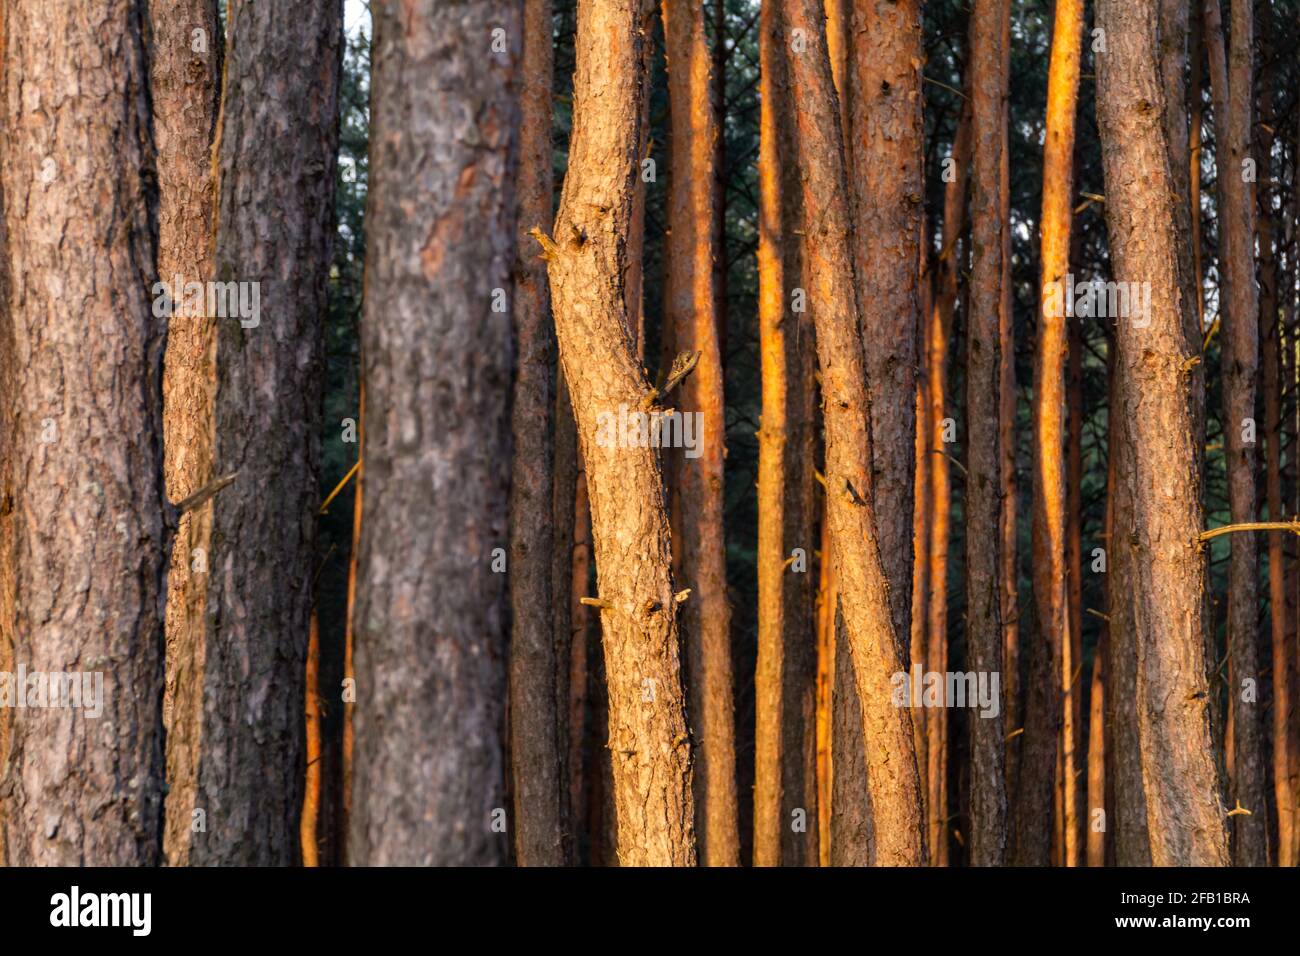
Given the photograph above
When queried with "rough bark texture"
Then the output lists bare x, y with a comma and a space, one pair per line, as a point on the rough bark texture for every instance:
440, 224
850, 810
536, 748
983, 456
186, 92
1233, 90
1048, 526
1159, 476
1132, 842
243, 689
690, 308
185, 71
83, 546
648, 741
785, 680
877, 649
881, 94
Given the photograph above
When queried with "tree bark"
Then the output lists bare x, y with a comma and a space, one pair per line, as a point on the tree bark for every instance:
1159, 475
185, 70
1270, 331
649, 745
1048, 527
983, 452
536, 749
877, 649
785, 679
428, 778
83, 544
690, 308
1096, 840
186, 94
937, 335
274, 228
1233, 90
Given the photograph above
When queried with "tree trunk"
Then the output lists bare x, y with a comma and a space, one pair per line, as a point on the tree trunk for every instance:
349, 670
274, 229
876, 646
536, 724
785, 679
83, 545
186, 93
1233, 88
428, 778
1097, 759
937, 335
1048, 527
690, 307
983, 453
649, 745
1159, 474
185, 70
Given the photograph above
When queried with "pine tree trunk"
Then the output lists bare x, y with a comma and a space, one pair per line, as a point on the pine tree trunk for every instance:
983, 408
649, 746
876, 647
83, 545
274, 228
940, 328
785, 679
186, 93
428, 776
185, 71
1233, 88
1159, 477
1048, 527
539, 790
690, 307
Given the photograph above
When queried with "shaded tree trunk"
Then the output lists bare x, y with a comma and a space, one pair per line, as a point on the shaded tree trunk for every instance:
876, 647
1233, 89
1159, 476
537, 712
649, 746
430, 659
937, 335
690, 307
983, 439
83, 544
785, 680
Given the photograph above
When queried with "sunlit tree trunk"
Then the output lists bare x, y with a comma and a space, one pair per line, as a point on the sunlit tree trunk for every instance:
785, 681
1048, 526
648, 741
1159, 473
940, 327
186, 91
876, 647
